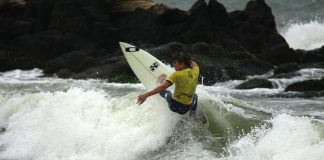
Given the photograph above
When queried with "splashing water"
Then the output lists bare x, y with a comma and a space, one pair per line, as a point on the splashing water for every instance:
305, 36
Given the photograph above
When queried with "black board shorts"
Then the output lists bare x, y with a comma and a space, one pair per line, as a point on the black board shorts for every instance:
176, 106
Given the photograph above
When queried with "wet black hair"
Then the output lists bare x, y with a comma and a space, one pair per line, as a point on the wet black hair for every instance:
183, 57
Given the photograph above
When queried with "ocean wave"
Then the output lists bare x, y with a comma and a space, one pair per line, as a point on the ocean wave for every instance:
305, 35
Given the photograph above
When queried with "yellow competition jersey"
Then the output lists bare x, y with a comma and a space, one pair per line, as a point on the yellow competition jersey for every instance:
185, 84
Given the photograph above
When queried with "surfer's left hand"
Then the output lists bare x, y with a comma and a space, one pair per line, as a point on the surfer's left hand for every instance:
141, 98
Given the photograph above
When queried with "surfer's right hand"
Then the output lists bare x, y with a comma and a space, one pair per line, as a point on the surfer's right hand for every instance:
141, 98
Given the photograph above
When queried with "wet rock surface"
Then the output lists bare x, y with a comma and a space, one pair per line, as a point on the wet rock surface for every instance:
79, 39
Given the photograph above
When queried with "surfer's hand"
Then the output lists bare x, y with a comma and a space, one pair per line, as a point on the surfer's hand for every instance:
141, 98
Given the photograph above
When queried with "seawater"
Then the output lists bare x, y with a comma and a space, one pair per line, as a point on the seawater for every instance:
52, 118
48, 118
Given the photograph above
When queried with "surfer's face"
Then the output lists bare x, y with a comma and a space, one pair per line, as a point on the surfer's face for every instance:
178, 66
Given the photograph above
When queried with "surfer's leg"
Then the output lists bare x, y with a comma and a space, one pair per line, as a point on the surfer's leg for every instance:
174, 106
194, 102
193, 105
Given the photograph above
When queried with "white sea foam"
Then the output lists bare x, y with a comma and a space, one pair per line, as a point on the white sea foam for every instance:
21, 74
302, 75
290, 138
305, 36
83, 125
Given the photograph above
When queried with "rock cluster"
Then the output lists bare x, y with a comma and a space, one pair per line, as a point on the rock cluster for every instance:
79, 38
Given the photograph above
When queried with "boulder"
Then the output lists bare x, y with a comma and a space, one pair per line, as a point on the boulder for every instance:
285, 68
11, 28
212, 74
260, 13
8, 61
74, 61
255, 83
306, 86
255, 29
218, 15
165, 52
43, 45
311, 56
253, 66
104, 34
237, 15
40, 10
114, 72
198, 27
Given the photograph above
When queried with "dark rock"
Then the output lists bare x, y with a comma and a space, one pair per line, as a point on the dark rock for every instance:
255, 30
251, 36
260, 13
11, 28
237, 16
313, 65
322, 50
201, 48
286, 75
212, 74
108, 71
75, 61
40, 10
101, 52
64, 73
279, 54
253, 66
134, 28
200, 7
43, 45
234, 73
219, 53
308, 85
285, 68
78, 16
8, 61
76, 35
310, 56
172, 17
105, 34
77, 42
165, 52
199, 24
255, 83
12, 9
218, 14
210, 50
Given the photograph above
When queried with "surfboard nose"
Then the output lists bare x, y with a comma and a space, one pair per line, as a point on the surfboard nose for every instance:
125, 45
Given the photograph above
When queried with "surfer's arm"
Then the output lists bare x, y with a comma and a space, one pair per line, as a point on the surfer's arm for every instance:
141, 98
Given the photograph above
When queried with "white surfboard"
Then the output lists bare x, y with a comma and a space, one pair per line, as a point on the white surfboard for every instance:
147, 68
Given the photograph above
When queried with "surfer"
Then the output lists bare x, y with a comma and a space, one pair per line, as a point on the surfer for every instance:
185, 79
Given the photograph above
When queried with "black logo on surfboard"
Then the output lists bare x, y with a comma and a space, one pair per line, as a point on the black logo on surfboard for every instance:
132, 49
154, 66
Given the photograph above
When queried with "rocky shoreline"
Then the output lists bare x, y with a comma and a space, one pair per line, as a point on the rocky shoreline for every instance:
79, 39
